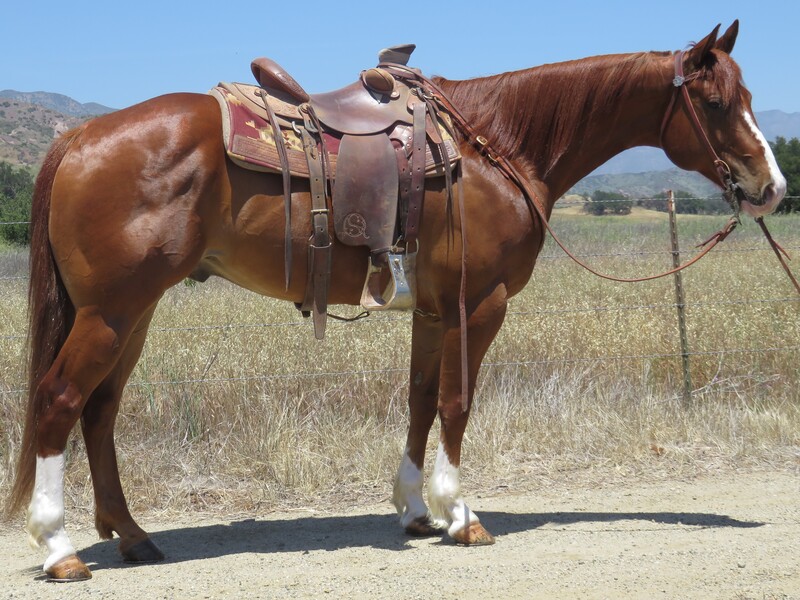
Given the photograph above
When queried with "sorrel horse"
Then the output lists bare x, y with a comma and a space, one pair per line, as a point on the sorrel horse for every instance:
133, 202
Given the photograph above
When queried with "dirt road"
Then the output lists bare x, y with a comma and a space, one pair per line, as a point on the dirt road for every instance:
728, 536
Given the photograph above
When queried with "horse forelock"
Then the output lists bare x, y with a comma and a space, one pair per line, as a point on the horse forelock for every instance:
720, 70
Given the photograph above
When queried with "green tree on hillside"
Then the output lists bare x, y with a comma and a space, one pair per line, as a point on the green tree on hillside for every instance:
602, 203
787, 153
687, 203
16, 191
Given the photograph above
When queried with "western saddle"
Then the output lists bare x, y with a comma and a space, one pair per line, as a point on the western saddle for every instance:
368, 147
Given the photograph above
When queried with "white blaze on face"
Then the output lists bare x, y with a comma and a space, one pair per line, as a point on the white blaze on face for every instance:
46, 511
445, 495
778, 181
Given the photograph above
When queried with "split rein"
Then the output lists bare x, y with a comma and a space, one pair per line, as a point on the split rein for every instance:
730, 193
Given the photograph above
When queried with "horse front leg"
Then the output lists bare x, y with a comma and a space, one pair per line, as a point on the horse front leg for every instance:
426, 352
444, 491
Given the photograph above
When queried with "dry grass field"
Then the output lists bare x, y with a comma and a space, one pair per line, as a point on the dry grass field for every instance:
234, 405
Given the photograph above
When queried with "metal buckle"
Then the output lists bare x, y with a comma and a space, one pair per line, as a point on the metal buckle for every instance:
678, 81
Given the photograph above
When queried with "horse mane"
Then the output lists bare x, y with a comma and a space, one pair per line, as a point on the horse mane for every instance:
535, 115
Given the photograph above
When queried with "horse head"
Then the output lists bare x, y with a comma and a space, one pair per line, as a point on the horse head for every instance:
709, 126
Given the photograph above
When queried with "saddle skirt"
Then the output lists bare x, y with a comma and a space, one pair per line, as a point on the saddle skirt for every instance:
250, 140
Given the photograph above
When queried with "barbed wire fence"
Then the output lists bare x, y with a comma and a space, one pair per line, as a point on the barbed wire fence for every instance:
684, 353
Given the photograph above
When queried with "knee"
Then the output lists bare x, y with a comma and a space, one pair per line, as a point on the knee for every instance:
57, 420
66, 399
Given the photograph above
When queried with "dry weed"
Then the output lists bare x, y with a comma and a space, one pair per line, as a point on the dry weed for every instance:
234, 406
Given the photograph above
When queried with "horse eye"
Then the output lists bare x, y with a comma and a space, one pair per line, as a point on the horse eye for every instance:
714, 104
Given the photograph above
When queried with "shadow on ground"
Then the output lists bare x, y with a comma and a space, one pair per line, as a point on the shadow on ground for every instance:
307, 534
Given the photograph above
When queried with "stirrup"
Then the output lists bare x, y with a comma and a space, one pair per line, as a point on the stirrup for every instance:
399, 293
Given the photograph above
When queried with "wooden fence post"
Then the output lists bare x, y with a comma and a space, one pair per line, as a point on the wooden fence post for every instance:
680, 301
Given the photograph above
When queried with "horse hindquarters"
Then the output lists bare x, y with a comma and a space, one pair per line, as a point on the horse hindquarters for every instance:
129, 226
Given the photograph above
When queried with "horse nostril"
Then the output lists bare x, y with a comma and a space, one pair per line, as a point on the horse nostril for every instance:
773, 192
768, 193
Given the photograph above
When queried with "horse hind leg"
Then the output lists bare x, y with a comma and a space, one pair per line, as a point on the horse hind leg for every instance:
97, 423
426, 348
89, 353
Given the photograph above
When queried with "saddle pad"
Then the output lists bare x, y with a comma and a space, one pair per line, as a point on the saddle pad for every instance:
250, 141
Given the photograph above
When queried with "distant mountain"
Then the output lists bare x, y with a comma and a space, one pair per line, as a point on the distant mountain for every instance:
774, 123
648, 184
29, 121
27, 130
58, 103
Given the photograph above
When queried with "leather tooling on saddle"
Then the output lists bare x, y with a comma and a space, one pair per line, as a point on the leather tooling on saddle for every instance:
368, 147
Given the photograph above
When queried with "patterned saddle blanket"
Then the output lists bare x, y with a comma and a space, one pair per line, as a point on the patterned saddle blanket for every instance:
250, 140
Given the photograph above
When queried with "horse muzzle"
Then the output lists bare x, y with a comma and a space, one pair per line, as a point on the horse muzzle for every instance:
769, 199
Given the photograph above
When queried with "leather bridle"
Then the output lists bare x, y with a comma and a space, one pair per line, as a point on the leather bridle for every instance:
731, 190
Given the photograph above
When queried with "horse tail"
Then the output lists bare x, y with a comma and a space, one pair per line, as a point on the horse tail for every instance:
49, 315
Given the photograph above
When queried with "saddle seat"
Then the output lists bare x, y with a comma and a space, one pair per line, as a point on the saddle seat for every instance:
370, 105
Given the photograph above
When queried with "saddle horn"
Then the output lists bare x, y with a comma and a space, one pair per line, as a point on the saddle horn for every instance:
397, 55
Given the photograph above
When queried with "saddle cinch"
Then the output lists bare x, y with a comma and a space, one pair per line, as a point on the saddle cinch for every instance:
369, 146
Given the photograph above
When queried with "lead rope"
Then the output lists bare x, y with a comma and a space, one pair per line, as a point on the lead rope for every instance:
779, 252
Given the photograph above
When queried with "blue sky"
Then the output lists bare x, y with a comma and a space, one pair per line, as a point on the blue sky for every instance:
118, 54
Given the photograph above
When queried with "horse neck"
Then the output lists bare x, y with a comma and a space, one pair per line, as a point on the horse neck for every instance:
560, 122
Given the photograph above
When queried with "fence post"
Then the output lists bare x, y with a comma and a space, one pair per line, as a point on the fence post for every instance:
680, 301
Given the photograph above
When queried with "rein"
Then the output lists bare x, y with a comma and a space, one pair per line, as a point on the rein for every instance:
779, 252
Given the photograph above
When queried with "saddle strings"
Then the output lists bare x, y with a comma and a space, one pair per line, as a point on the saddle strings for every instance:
287, 187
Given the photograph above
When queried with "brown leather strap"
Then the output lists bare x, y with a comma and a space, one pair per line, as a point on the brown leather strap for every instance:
707, 246
462, 296
435, 118
681, 90
404, 188
779, 252
287, 188
319, 249
415, 198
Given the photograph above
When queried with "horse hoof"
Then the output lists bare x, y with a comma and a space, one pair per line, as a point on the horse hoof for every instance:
424, 527
474, 535
68, 569
142, 552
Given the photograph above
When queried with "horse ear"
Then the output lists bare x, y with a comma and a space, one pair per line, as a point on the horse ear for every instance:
696, 56
728, 39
